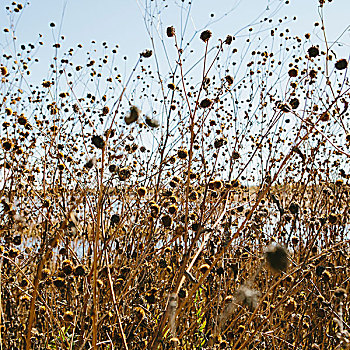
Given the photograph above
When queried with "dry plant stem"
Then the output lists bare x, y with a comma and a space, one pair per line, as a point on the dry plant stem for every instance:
186, 256
39, 274
299, 268
219, 255
116, 306
98, 224
1, 317
96, 258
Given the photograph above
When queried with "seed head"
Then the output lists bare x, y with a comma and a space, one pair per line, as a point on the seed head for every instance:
3, 70
293, 72
105, 110
229, 79
59, 282
182, 153
206, 35
7, 145
325, 117
146, 53
133, 115
206, 103
341, 64
228, 40
313, 51
141, 191
277, 257
204, 268
152, 122
98, 141
294, 103
170, 32
167, 220
68, 316
67, 267
340, 293
79, 271
294, 208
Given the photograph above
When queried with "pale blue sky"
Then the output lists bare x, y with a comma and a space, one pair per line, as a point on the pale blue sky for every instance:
121, 21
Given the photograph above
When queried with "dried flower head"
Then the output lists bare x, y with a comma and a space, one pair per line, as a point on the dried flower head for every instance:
205, 35
146, 53
228, 40
141, 191
133, 115
98, 141
152, 122
294, 103
341, 64
182, 153
3, 70
293, 72
277, 257
170, 31
79, 271
206, 103
340, 293
68, 316
313, 51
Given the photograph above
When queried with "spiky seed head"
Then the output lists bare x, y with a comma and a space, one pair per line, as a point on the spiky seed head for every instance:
205, 35
146, 53
313, 51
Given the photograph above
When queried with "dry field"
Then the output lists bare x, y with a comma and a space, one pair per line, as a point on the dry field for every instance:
205, 207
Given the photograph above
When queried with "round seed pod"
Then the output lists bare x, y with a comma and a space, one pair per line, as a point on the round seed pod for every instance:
313, 51
294, 208
3, 70
294, 103
293, 72
98, 141
152, 122
141, 191
115, 219
182, 153
167, 220
341, 64
325, 117
206, 103
67, 267
204, 268
17, 240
